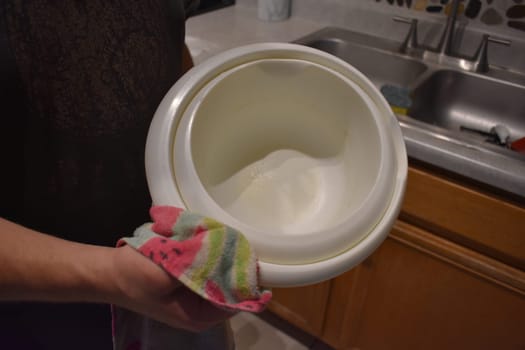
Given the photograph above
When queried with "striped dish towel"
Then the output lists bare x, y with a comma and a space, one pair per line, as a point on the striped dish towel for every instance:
210, 258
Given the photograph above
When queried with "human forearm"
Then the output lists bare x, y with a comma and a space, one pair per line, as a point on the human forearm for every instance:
39, 267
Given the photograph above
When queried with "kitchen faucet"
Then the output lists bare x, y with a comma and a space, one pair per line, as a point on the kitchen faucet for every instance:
447, 38
444, 50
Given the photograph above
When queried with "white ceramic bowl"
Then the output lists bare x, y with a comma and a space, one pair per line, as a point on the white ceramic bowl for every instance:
292, 146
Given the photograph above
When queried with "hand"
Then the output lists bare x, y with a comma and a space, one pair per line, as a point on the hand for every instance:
145, 288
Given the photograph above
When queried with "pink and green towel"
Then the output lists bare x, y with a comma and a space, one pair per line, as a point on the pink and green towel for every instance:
210, 258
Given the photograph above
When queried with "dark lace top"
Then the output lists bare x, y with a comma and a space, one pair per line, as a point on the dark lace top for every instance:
80, 82
89, 76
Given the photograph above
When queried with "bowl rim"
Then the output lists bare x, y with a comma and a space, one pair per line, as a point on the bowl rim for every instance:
161, 177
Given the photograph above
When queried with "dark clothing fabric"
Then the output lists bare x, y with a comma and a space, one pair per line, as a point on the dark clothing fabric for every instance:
81, 80
92, 74
47, 326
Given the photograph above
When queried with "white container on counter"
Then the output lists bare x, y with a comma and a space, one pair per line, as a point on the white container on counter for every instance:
273, 10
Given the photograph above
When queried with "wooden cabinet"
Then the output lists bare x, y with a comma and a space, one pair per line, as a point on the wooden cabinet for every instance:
304, 306
449, 276
419, 291
474, 219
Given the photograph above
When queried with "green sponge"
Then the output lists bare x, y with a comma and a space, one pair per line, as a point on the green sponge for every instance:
398, 97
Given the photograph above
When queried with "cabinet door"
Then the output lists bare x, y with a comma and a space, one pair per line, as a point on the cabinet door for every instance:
418, 291
304, 307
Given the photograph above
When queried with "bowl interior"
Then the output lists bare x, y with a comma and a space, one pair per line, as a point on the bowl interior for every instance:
285, 146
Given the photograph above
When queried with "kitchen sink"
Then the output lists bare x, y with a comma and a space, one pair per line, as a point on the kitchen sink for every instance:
381, 67
457, 120
463, 102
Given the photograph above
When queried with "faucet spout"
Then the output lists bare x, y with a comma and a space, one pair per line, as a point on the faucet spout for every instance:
447, 38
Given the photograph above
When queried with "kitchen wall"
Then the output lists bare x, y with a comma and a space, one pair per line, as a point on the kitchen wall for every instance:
510, 13
501, 14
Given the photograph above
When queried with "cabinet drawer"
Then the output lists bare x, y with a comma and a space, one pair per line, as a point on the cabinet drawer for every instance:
468, 217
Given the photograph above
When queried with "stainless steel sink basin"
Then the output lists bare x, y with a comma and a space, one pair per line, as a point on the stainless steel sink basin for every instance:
453, 112
463, 102
381, 67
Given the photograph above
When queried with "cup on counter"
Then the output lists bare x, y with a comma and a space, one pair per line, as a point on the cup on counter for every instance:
273, 10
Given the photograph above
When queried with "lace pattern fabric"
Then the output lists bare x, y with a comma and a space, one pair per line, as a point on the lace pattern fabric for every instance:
93, 73
93, 67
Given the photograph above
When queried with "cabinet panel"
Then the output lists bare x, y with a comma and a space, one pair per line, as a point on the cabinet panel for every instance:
409, 296
338, 301
484, 223
304, 307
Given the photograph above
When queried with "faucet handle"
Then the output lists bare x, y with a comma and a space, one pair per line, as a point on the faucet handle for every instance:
481, 61
410, 41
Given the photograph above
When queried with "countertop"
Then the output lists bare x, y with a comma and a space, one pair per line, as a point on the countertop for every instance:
216, 31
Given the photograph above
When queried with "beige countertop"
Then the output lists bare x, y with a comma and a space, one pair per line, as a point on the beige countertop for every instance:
216, 31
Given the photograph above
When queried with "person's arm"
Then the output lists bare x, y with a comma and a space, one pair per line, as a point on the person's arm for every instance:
35, 266
39, 267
